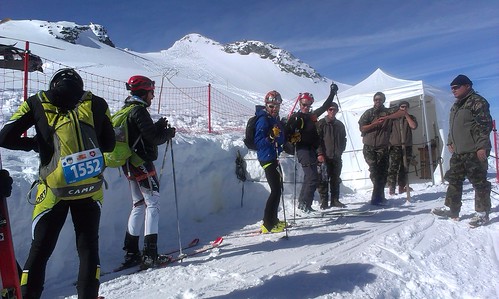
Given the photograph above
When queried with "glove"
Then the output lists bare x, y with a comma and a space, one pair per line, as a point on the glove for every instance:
170, 133
5, 183
162, 123
274, 132
295, 137
295, 123
334, 88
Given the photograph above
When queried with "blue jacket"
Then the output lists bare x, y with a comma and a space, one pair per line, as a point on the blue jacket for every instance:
266, 149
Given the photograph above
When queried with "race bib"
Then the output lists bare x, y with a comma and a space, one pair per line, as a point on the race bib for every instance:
82, 165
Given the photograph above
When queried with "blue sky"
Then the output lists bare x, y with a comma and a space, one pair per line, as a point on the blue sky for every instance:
345, 40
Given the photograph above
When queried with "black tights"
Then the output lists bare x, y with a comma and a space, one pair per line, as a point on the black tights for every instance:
271, 208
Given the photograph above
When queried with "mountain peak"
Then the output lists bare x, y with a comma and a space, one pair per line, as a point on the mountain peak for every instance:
198, 38
71, 32
282, 58
285, 60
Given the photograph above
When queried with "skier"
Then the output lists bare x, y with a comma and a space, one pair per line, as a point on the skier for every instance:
269, 139
141, 173
58, 114
302, 132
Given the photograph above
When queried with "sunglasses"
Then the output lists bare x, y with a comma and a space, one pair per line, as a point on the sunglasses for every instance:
455, 87
306, 105
332, 109
273, 99
273, 106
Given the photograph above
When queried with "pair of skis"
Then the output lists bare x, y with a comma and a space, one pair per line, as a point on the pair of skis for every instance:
212, 245
338, 213
9, 276
170, 259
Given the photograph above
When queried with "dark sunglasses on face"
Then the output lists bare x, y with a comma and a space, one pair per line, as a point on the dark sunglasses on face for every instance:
332, 109
455, 87
306, 105
273, 106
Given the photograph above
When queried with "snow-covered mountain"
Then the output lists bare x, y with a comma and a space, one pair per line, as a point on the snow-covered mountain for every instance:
402, 251
71, 32
245, 69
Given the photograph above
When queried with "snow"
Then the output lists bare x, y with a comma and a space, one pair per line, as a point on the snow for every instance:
402, 251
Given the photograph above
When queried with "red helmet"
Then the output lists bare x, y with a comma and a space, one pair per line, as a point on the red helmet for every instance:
273, 97
306, 98
139, 83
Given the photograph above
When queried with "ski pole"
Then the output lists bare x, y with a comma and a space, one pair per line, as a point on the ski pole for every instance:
294, 191
176, 202
164, 160
279, 168
294, 106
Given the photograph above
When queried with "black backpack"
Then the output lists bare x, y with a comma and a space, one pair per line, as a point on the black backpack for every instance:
249, 136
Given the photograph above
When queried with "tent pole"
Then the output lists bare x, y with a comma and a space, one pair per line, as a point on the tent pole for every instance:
428, 142
348, 133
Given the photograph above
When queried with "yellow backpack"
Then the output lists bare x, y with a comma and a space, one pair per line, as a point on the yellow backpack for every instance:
122, 151
75, 169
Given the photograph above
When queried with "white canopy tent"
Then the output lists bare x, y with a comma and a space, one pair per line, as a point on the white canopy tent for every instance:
428, 104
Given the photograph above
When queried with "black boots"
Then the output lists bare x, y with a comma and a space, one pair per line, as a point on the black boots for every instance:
132, 253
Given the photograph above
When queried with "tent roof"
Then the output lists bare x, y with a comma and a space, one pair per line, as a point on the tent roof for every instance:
361, 95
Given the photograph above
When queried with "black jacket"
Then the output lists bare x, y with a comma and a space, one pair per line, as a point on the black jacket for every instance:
305, 123
140, 124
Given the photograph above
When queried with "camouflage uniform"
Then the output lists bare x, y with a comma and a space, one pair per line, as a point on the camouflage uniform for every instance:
401, 137
470, 125
375, 149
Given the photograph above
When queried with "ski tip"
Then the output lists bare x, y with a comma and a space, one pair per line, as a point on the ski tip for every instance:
217, 241
194, 242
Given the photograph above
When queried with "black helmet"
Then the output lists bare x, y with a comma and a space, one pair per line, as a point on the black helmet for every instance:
66, 74
66, 87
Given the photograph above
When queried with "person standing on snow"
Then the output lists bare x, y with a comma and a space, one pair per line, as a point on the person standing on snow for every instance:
60, 115
303, 134
333, 138
144, 137
400, 141
375, 127
470, 125
269, 140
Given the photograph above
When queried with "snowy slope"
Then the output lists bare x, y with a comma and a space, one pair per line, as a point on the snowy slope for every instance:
400, 252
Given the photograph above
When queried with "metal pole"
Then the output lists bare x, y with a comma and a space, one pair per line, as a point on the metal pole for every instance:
428, 142
26, 70
495, 149
181, 254
209, 108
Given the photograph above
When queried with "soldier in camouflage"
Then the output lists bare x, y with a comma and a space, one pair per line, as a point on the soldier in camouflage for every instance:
470, 125
375, 127
400, 145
